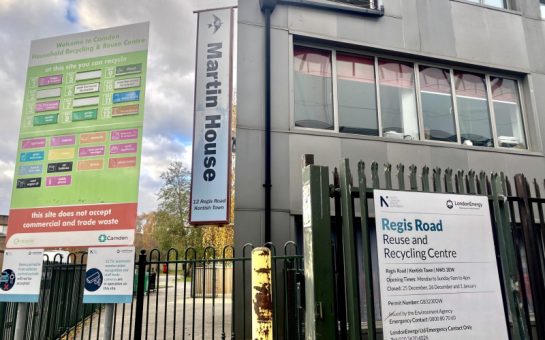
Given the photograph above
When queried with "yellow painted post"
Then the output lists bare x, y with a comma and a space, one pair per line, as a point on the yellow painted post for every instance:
262, 316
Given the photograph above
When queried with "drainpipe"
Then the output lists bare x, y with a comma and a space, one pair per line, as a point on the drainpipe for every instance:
267, 7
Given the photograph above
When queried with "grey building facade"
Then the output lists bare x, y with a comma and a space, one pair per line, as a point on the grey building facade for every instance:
448, 83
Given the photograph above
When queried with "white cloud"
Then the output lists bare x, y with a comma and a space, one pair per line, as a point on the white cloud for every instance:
20, 22
157, 153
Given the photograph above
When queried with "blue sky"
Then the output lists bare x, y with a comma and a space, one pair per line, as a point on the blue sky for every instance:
169, 90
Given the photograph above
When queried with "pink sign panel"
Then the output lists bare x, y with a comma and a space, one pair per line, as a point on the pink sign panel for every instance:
63, 140
123, 148
47, 106
50, 80
58, 180
91, 151
124, 134
33, 143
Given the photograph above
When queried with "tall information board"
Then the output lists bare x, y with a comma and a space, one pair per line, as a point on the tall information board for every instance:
78, 159
437, 267
210, 180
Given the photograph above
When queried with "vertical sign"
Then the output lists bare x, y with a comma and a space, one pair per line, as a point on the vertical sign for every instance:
109, 275
212, 126
21, 275
437, 267
78, 158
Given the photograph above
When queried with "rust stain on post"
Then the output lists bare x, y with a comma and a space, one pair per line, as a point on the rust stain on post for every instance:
262, 317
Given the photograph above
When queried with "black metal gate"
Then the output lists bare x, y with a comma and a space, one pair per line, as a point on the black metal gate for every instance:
177, 295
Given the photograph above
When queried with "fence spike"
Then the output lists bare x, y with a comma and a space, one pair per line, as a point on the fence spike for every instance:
471, 187
388, 175
412, 177
426, 179
536, 188
509, 189
374, 175
459, 182
481, 183
501, 189
436, 179
401, 176
362, 177
449, 187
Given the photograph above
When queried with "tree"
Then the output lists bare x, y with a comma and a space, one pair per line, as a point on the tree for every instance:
172, 229
145, 226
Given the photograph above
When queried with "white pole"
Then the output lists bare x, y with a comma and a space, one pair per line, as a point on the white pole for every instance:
20, 323
108, 321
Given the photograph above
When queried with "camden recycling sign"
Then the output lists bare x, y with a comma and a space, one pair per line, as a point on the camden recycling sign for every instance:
78, 157
437, 267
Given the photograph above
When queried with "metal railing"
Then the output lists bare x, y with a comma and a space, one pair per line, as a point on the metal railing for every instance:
177, 295
518, 226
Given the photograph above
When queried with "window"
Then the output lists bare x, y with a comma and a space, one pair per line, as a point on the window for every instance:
509, 126
472, 105
542, 8
437, 110
359, 3
356, 95
383, 97
397, 100
313, 89
493, 3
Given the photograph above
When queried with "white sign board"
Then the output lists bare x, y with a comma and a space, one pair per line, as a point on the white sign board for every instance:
109, 275
21, 275
437, 267
212, 120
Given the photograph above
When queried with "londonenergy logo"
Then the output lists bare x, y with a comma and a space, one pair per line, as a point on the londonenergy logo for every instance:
464, 204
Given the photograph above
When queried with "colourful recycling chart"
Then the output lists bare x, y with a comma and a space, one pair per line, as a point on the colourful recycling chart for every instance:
78, 158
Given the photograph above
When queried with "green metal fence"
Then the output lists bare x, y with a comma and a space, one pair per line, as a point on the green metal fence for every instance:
352, 309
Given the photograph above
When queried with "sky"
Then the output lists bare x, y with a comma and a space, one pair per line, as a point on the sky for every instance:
170, 82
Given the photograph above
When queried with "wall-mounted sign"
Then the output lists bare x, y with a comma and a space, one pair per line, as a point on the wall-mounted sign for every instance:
78, 163
109, 275
437, 267
21, 275
212, 121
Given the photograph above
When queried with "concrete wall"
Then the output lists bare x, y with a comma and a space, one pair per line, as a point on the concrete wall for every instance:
452, 32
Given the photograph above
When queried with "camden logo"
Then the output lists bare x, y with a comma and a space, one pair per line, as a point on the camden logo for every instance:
103, 238
383, 201
450, 204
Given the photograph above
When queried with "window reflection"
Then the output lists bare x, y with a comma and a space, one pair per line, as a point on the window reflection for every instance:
397, 100
438, 114
313, 88
509, 126
469, 122
356, 95
473, 113
495, 3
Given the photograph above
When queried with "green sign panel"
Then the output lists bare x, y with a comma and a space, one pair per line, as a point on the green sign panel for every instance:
46, 119
84, 115
68, 126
